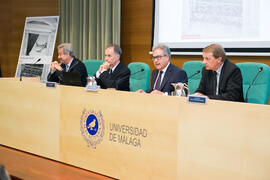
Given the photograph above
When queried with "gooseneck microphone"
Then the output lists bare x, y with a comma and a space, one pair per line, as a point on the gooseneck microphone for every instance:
137, 72
197, 72
259, 71
119, 81
37, 61
26, 66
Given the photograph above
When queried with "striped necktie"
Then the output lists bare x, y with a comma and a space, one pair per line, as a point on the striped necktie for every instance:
157, 86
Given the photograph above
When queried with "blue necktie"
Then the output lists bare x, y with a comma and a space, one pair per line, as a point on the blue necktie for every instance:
157, 86
67, 67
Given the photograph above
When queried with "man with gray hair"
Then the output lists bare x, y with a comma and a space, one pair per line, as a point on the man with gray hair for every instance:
221, 79
165, 73
68, 63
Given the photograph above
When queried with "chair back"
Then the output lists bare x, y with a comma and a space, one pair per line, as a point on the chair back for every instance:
260, 90
139, 80
191, 67
92, 65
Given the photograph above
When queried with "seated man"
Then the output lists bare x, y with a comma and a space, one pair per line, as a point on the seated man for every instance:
221, 79
68, 64
3, 173
112, 73
165, 72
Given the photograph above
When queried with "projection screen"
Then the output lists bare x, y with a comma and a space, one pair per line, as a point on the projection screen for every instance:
242, 27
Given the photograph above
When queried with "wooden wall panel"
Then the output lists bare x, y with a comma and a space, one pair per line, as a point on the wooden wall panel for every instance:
136, 32
136, 36
5, 36
12, 20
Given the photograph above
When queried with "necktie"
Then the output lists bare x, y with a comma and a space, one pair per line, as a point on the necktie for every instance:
67, 67
215, 81
157, 86
110, 72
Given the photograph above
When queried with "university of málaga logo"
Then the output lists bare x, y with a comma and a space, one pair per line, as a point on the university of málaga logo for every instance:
92, 127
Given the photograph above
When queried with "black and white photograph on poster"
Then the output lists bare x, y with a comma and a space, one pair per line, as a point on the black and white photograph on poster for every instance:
37, 47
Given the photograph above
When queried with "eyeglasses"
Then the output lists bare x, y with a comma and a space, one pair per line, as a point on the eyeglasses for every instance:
157, 57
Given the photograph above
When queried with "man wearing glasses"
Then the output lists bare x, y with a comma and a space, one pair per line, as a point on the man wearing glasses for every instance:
165, 72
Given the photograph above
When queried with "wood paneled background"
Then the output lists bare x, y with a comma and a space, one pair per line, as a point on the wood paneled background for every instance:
136, 32
12, 20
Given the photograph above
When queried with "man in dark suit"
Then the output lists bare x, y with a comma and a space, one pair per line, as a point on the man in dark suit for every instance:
221, 79
112, 73
68, 63
3, 173
165, 72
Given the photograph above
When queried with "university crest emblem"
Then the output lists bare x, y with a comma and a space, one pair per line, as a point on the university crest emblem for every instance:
92, 127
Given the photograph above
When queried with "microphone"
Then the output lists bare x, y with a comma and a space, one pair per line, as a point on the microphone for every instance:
37, 61
197, 72
26, 66
259, 71
137, 72
119, 81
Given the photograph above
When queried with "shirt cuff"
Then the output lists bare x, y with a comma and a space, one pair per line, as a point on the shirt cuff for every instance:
97, 74
165, 94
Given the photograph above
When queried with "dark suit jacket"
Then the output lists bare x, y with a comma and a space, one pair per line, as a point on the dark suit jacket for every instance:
230, 83
173, 75
119, 79
76, 66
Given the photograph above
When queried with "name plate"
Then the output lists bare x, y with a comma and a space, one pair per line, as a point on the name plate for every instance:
51, 84
197, 99
91, 88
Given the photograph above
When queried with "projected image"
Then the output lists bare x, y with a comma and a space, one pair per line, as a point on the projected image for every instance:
220, 19
37, 45
39, 37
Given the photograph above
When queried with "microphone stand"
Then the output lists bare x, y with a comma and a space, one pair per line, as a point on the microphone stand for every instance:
259, 71
122, 79
197, 72
137, 72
